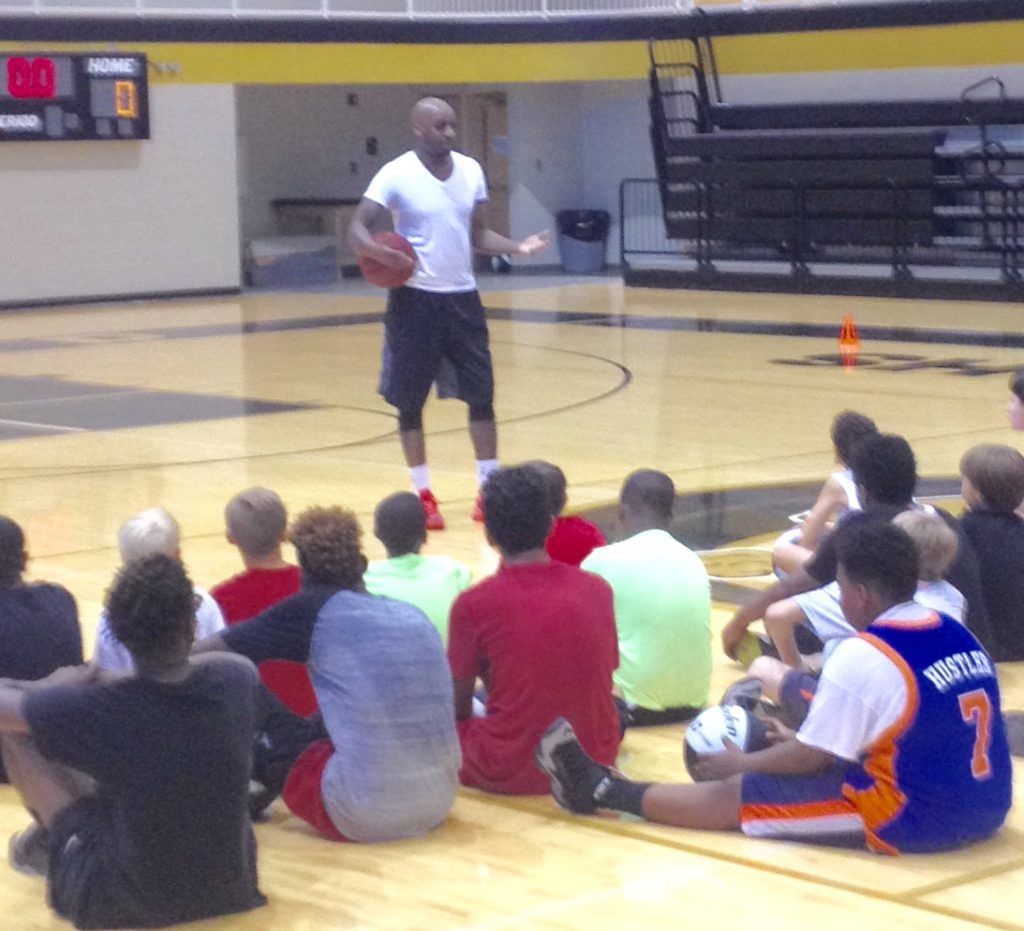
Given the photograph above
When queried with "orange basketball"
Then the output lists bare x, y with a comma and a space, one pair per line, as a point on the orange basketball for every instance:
383, 275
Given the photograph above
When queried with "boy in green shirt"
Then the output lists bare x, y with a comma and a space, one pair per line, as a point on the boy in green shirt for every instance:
662, 607
431, 583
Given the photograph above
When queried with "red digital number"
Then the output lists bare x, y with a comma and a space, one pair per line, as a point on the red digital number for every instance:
31, 78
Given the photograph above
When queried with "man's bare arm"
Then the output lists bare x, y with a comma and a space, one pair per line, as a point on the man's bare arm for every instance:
371, 217
488, 242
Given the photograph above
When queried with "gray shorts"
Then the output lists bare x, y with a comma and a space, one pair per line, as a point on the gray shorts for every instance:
824, 616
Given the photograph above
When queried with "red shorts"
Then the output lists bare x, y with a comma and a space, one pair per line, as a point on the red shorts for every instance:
302, 792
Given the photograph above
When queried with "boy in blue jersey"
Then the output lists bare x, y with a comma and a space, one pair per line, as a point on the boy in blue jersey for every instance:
903, 748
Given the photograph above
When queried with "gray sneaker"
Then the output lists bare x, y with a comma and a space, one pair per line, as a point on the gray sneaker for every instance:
29, 851
743, 692
575, 778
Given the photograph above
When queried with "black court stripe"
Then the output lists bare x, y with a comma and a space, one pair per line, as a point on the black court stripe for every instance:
1004, 339
625, 377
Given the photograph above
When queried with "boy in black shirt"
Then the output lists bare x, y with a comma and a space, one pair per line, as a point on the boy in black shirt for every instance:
993, 488
39, 629
885, 471
138, 783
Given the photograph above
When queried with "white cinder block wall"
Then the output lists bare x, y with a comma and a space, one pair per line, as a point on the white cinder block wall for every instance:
117, 218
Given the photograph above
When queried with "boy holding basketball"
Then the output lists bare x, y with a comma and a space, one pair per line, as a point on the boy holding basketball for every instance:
438, 199
913, 687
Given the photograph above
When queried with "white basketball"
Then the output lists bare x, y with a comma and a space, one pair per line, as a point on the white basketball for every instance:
708, 732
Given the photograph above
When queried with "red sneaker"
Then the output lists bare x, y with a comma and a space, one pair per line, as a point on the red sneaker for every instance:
478, 508
435, 520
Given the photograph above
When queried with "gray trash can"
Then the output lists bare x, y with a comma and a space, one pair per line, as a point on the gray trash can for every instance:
583, 240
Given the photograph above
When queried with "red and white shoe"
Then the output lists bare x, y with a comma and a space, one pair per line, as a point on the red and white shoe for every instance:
435, 520
478, 508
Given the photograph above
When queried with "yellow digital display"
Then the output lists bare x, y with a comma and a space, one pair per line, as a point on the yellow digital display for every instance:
126, 99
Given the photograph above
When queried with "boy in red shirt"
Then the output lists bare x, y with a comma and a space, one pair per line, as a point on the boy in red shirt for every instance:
256, 521
572, 539
542, 637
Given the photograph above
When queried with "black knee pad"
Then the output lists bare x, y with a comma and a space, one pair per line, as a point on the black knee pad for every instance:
485, 412
410, 420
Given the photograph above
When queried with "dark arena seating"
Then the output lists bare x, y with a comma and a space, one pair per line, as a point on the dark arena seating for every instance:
904, 197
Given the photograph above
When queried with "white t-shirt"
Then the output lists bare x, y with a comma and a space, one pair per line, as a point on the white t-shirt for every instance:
942, 597
111, 654
844, 479
861, 693
435, 216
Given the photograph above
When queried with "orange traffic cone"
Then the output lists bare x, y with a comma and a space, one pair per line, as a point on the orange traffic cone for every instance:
849, 342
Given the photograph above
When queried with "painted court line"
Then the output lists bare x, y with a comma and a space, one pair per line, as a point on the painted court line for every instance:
43, 427
691, 324
966, 879
624, 829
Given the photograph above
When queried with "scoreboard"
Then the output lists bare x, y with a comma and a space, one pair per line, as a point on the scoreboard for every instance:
65, 98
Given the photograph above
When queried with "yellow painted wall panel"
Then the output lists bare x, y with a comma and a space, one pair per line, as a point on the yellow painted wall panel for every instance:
357, 63
959, 45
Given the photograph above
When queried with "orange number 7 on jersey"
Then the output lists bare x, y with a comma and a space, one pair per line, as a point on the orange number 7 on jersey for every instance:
976, 709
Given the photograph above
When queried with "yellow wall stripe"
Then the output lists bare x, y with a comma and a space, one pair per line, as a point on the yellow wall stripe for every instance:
356, 63
959, 45
946, 46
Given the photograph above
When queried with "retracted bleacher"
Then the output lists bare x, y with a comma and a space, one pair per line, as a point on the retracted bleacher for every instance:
917, 193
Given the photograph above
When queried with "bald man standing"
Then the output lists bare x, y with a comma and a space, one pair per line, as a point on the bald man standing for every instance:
438, 200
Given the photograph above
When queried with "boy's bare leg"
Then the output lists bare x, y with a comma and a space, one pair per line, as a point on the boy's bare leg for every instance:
708, 806
45, 787
780, 621
788, 557
770, 672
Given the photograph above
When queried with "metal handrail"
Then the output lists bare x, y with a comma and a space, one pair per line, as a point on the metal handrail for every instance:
419, 10
1008, 247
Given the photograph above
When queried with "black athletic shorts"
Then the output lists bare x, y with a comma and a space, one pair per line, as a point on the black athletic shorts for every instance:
427, 336
86, 885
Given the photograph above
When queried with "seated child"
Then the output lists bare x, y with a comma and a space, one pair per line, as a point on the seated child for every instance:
149, 533
1015, 410
886, 477
387, 765
39, 629
138, 782
541, 636
936, 544
431, 583
903, 751
993, 488
662, 607
572, 539
838, 496
255, 522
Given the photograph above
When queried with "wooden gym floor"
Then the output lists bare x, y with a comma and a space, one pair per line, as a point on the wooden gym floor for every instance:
105, 410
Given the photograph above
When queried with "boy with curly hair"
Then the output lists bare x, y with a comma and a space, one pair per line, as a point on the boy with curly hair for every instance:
388, 768
108, 765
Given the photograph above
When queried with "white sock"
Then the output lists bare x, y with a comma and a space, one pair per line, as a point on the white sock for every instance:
420, 477
485, 468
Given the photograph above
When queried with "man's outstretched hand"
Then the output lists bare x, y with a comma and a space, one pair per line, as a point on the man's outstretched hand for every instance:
538, 242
